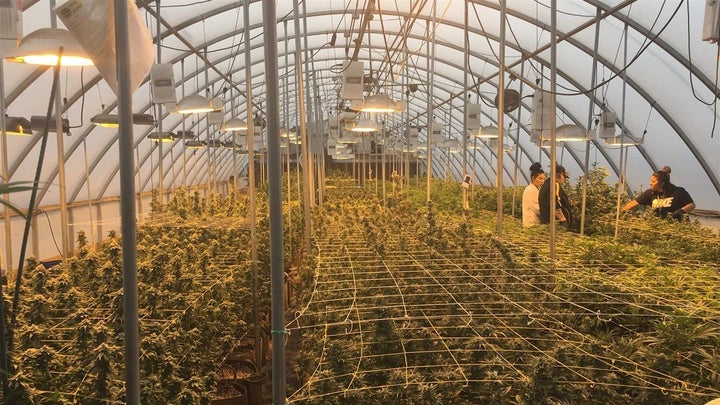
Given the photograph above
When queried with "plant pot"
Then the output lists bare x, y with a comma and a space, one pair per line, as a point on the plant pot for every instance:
230, 393
238, 400
244, 368
253, 386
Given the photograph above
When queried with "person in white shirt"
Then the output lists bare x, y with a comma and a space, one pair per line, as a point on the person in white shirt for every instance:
530, 205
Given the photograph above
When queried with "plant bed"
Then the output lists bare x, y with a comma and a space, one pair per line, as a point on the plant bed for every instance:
427, 306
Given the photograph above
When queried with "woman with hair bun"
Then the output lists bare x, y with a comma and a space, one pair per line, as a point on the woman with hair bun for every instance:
530, 205
664, 197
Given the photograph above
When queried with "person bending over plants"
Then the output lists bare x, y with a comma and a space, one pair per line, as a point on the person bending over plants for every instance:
664, 197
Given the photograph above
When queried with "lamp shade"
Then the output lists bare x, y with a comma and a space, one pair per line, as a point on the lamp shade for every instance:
38, 123
488, 132
570, 132
379, 103
493, 144
112, 121
195, 144
623, 140
162, 136
17, 126
545, 144
234, 124
363, 125
184, 134
194, 104
41, 47
452, 145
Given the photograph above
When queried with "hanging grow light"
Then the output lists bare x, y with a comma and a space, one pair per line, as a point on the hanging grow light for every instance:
41, 46
381, 103
194, 104
363, 125
112, 120
17, 126
161, 136
487, 132
623, 140
570, 133
234, 124
195, 144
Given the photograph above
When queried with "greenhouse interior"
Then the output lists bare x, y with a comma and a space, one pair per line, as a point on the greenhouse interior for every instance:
351, 202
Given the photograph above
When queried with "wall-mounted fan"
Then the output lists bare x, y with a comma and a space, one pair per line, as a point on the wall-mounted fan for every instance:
511, 100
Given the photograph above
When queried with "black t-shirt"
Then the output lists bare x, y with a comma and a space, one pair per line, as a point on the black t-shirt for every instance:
562, 202
665, 202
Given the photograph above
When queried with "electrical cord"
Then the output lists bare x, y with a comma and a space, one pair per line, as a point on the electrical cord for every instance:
52, 234
692, 86
632, 61
565, 12
643, 48
33, 194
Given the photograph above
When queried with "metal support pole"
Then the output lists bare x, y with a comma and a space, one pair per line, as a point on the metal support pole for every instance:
251, 190
127, 206
501, 121
309, 100
158, 106
275, 194
593, 80
553, 135
64, 234
623, 149
307, 168
466, 68
5, 174
385, 141
8, 236
430, 68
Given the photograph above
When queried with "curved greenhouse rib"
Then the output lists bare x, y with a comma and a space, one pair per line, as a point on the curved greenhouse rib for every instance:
449, 59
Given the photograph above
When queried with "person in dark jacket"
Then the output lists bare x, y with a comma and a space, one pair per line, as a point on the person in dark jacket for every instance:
562, 202
664, 197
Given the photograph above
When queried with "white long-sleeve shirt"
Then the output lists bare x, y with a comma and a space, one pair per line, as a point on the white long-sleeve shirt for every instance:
530, 206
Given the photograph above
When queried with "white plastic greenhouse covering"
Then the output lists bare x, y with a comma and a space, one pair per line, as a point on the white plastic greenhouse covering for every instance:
645, 60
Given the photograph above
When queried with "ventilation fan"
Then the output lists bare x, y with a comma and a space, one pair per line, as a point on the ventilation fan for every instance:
511, 100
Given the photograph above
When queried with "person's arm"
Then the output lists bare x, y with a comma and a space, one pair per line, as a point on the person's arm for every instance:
684, 196
680, 212
632, 204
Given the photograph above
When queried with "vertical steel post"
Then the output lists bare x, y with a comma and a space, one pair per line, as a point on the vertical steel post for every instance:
127, 206
307, 168
553, 135
275, 194
593, 80
430, 61
466, 68
501, 122
251, 188
8, 233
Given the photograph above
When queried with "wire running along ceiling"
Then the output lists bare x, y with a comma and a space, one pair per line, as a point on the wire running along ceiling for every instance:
651, 68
